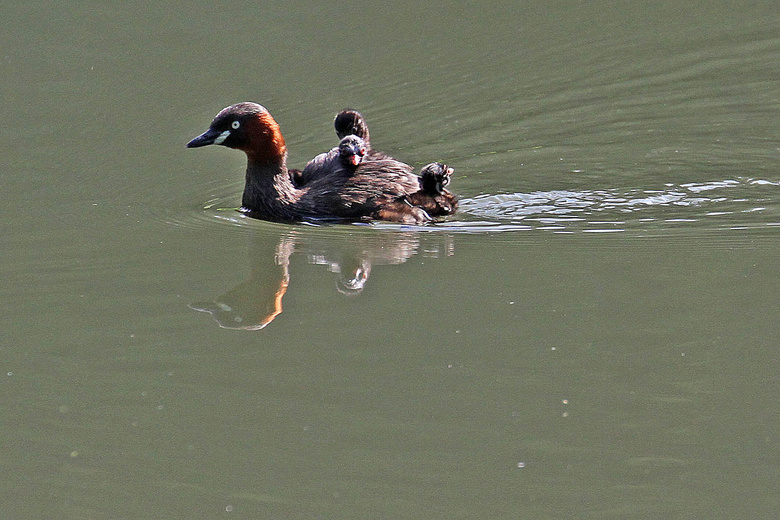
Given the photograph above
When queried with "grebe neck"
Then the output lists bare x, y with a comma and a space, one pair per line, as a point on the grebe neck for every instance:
268, 190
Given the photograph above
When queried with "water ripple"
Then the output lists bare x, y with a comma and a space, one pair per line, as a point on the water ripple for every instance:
725, 204
730, 204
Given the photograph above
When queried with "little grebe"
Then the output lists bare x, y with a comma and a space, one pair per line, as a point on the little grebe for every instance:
433, 197
377, 189
347, 156
350, 122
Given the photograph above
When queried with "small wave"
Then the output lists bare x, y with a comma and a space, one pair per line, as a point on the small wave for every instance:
724, 204
731, 203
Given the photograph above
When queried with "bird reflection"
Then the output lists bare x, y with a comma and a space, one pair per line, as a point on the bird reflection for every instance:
256, 302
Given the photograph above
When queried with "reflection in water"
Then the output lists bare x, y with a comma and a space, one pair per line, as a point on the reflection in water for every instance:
733, 204
256, 302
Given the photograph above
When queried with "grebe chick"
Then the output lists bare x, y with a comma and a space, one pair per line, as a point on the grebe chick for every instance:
350, 122
345, 158
432, 196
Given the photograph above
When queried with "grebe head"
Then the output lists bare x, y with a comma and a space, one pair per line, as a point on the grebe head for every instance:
350, 122
434, 177
247, 127
352, 150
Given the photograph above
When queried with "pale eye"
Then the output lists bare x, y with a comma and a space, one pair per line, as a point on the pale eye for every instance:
235, 125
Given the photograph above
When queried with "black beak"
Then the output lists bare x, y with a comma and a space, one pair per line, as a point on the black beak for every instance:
204, 139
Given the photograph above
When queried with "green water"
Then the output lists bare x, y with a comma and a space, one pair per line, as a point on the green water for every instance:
594, 336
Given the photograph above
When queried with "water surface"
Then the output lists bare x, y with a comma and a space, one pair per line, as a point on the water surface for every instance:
593, 336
